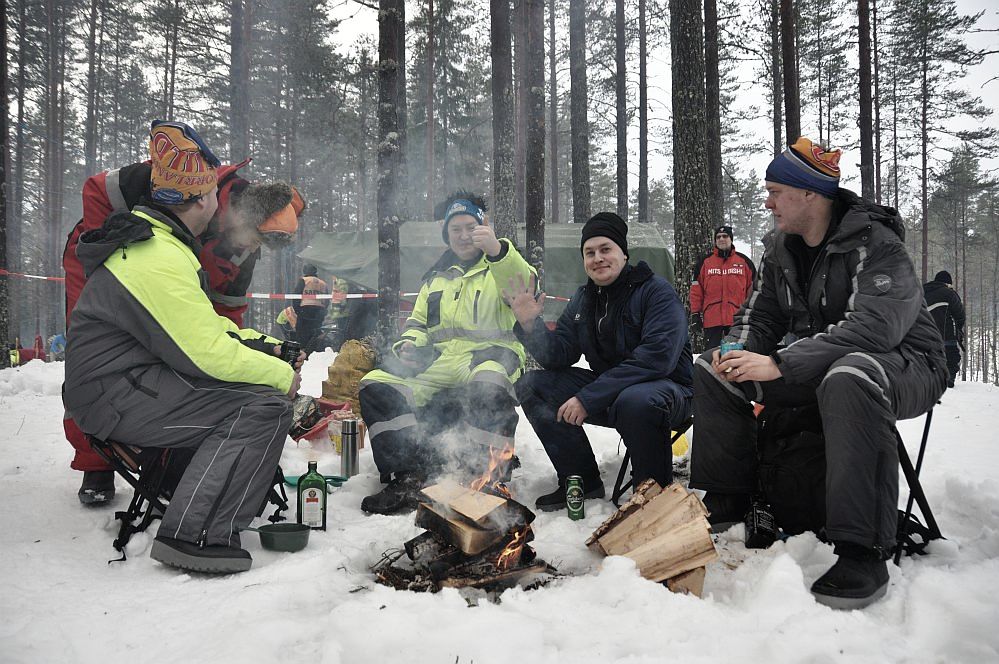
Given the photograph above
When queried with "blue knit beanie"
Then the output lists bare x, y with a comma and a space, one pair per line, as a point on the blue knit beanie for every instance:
807, 165
462, 206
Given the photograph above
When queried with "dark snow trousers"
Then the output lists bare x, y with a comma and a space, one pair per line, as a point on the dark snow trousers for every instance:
953, 353
239, 431
859, 398
643, 414
420, 427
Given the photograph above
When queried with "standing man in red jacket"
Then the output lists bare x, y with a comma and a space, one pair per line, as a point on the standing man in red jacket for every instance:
722, 281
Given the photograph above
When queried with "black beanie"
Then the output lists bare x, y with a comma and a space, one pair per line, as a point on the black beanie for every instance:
608, 225
310, 270
727, 230
943, 276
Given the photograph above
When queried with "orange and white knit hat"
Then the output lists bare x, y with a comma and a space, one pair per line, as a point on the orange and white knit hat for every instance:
184, 168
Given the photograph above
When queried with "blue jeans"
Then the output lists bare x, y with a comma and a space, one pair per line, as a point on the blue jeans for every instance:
643, 414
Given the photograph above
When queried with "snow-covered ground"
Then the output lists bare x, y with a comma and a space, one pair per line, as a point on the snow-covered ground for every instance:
61, 602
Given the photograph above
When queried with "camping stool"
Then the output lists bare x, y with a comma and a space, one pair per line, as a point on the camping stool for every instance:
148, 502
916, 494
620, 486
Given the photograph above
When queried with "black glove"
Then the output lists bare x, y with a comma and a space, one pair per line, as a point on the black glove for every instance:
696, 322
259, 344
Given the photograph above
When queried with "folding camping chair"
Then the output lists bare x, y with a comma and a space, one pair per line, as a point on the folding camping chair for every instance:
153, 474
907, 529
620, 485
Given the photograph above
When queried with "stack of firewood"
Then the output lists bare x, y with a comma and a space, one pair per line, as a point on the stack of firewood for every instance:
665, 531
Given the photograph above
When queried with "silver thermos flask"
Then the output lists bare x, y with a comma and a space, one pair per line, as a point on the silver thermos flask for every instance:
348, 455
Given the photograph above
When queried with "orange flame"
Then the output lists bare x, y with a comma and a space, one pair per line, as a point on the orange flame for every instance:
498, 458
511, 552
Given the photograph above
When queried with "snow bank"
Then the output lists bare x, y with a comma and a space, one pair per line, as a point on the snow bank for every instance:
62, 602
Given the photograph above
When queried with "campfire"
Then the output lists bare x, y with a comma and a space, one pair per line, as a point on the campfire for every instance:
475, 537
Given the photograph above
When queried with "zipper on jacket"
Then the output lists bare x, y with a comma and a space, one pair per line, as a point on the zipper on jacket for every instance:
203, 537
475, 308
600, 320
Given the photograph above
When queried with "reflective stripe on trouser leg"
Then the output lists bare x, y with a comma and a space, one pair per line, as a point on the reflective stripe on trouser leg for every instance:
387, 409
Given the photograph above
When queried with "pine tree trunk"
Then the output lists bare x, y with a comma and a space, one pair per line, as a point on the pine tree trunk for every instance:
643, 116
4, 170
504, 213
404, 187
553, 115
534, 85
924, 148
390, 28
90, 123
690, 189
50, 213
713, 119
621, 88
792, 105
240, 33
866, 103
430, 110
520, 102
877, 102
775, 77
578, 100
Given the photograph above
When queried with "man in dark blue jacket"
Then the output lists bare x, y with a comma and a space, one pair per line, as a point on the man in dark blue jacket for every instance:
632, 328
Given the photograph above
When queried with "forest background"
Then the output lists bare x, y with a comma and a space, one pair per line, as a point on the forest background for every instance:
665, 111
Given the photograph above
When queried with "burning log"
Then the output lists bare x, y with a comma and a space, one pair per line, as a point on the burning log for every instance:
469, 538
498, 578
666, 533
473, 505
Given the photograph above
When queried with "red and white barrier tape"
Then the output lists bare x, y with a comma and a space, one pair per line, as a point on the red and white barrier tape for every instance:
351, 296
6, 273
265, 296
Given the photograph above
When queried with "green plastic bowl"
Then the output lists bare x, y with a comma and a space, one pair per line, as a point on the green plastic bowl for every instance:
283, 536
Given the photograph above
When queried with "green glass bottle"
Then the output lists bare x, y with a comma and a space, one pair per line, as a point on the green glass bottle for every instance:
312, 498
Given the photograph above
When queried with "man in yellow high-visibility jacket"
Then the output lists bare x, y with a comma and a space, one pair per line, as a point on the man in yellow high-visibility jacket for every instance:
456, 361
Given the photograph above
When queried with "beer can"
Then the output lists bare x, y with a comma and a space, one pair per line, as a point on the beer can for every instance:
730, 346
574, 497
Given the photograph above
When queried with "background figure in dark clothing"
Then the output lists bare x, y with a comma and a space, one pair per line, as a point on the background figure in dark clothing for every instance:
630, 325
722, 280
837, 276
948, 313
310, 309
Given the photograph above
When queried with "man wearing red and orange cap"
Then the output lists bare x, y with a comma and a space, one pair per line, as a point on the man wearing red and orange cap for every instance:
836, 277
150, 362
249, 214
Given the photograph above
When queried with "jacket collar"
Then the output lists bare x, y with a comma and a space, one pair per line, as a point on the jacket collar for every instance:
853, 219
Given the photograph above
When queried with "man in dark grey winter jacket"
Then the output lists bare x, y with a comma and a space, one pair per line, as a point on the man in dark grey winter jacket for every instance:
836, 276
948, 313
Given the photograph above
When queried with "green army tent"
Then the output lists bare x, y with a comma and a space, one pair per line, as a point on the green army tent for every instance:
354, 255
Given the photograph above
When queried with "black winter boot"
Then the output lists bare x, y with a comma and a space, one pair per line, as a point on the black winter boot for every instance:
859, 578
97, 488
725, 509
215, 559
400, 493
556, 499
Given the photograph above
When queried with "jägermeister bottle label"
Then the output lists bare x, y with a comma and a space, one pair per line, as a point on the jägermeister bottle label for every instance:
312, 498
